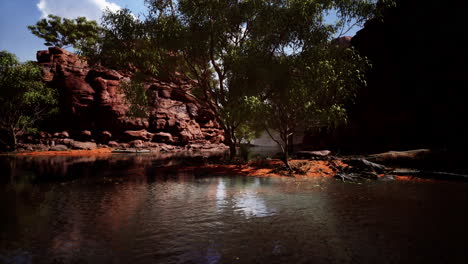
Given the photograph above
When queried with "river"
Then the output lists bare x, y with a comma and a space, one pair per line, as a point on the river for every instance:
124, 209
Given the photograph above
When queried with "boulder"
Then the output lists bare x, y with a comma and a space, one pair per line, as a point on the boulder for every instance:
85, 135
105, 136
138, 135
113, 144
163, 137
82, 145
136, 144
59, 148
63, 134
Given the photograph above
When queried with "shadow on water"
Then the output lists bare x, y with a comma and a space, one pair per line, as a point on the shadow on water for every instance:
127, 209
40, 169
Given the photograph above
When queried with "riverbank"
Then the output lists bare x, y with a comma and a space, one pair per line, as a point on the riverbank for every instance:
345, 168
302, 169
259, 168
76, 152
266, 168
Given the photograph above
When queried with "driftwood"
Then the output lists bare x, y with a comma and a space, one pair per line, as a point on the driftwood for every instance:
398, 156
429, 174
365, 165
360, 169
346, 177
425, 163
313, 154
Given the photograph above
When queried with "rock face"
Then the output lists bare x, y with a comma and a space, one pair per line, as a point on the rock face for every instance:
414, 96
92, 104
344, 42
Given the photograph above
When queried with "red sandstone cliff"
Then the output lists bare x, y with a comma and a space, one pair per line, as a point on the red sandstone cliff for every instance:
95, 109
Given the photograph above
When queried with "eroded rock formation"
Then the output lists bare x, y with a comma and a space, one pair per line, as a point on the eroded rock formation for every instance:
93, 107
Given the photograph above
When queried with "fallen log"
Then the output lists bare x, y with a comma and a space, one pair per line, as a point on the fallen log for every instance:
359, 164
393, 155
313, 154
429, 174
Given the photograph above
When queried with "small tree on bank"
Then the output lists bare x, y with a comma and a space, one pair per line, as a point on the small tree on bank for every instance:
24, 99
310, 92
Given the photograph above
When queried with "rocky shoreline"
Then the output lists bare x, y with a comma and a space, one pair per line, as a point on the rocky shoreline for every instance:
59, 145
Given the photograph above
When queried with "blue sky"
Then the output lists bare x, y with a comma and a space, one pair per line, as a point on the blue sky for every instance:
16, 15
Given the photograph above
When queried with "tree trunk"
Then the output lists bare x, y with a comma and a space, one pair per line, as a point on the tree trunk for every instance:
232, 151
286, 159
13, 139
230, 141
286, 152
291, 144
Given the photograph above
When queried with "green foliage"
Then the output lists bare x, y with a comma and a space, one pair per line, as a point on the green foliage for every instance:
124, 44
63, 32
277, 51
312, 90
248, 131
129, 43
250, 112
24, 99
135, 94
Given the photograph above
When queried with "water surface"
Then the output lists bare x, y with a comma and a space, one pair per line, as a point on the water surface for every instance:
124, 209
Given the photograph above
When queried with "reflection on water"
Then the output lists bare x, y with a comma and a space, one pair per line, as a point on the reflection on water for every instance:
246, 202
127, 209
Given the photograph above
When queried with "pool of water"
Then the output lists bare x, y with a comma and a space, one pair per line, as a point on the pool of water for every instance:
124, 209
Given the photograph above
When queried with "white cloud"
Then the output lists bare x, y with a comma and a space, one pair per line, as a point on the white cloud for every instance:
91, 9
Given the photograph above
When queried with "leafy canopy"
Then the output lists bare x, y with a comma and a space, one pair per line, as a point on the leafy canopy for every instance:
278, 51
63, 32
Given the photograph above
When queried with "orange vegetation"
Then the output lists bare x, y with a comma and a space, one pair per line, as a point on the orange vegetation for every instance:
78, 153
268, 168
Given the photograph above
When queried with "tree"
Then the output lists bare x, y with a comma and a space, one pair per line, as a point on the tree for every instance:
264, 48
78, 32
24, 99
121, 43
212, 39
312, 91
306, 80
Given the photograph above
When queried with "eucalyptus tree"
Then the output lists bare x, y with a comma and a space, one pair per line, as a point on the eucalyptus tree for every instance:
24, 99
64, 32
211, 37
311, 90
308, 79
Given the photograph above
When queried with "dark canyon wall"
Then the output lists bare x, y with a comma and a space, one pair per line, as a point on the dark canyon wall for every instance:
416, 87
